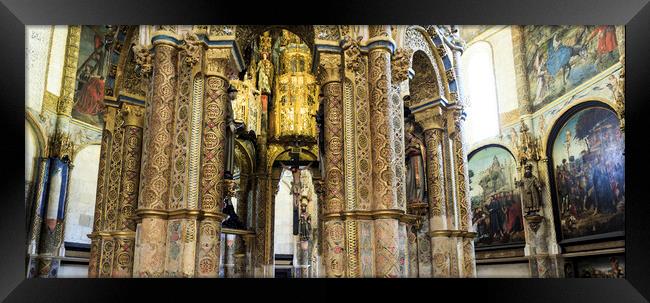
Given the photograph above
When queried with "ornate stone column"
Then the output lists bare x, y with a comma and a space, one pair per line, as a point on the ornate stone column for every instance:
467, 262
102, 180
183, 208
150, 248
433, 124
334, 229
261, 199
37, 216
384, 174
133, 117
212, 161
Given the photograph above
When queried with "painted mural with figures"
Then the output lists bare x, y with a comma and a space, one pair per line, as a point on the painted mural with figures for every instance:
496, 205
607, 266
560, 58
589, 170
91, 75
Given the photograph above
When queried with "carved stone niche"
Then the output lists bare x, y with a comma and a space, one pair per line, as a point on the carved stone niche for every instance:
424, 85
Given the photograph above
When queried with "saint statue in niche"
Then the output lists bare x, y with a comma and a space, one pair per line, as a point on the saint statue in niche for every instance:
231, 127
415, 183
305, 220
531, 190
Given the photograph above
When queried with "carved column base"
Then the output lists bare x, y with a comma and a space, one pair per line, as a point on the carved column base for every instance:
149, 256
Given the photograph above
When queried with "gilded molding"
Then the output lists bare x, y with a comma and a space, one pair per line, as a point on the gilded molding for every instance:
216, 61
133, 115
66, 100
329, 68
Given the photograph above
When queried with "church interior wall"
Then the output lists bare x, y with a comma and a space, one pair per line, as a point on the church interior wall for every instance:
46, 57
600, 87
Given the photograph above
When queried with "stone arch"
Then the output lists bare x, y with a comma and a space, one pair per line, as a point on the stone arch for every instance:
424, 86
417, 39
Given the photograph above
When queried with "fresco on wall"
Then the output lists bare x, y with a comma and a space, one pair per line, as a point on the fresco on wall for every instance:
560, 58
589, 171
496, 205
610, 266
91, 74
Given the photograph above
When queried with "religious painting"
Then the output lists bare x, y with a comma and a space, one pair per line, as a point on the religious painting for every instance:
496, 203
589, 174
91, 75
604, 266
560, 58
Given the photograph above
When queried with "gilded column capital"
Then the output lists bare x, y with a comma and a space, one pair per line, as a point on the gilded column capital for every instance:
133, 115
109, 118
431, 118
62, 146
456, 117
329, 68
216, 61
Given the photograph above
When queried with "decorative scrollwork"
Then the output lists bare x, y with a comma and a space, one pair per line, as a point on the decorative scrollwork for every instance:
400, 64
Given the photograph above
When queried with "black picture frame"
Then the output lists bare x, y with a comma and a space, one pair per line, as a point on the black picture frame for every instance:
14, 14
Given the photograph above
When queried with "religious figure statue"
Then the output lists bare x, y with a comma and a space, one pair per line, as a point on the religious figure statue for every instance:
233, 220
231, 127
265, 74
265, 67
415, 182
304, 231
531, 191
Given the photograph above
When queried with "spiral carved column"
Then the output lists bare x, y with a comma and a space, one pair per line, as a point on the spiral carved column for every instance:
149, 256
